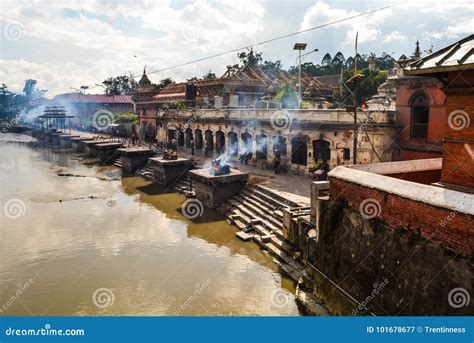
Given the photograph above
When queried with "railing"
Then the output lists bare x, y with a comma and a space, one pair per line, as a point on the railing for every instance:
419, 130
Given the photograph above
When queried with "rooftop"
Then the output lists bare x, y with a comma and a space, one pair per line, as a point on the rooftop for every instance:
457, 56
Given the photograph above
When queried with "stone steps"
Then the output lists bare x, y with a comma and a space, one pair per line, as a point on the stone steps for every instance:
257, 212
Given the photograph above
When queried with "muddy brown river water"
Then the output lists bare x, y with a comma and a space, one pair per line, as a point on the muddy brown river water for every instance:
78, 239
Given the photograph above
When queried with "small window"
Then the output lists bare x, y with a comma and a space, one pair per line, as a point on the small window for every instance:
347, 154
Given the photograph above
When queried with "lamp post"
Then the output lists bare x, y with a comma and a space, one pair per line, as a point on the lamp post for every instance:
300, 47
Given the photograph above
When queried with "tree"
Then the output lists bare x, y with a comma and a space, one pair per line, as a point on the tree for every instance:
366, 87
250, 57
163, 83
287, 96
209, 76
120, 85
338, 60
327, 60
271, 67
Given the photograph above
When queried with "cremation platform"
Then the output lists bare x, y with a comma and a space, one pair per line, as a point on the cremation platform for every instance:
166, 172
134, 158
89, 146
65, 140
77, 143
106, 151
213, 190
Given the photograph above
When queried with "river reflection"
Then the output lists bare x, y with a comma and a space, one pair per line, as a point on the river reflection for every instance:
82, 228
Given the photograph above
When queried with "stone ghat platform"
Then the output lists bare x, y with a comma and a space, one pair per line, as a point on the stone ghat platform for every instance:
65, 140
77, 143
89, 146
134, 158
106, 152
167, 172
213, 190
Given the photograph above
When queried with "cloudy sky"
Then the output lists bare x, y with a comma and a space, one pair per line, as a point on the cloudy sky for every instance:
65, 44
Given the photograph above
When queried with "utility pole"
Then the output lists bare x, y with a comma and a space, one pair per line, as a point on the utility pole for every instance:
300, 47
354, 154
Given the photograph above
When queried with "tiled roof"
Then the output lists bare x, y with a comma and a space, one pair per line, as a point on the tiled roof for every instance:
94, 98
457, 56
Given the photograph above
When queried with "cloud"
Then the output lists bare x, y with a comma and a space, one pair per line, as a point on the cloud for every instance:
394, 36
369, 30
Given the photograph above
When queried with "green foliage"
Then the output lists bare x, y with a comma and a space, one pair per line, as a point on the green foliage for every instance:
163, 83
331, 66
125, 118
287, 96
250, 57
209, 76
366, 87
174, 106
271, 67
120, 85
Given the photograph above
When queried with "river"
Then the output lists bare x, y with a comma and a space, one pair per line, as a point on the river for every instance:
78, 239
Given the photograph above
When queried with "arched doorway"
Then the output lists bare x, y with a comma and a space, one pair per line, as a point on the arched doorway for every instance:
420, 113
233, 144
209, 140
299, 150
261, 151
220, 142
321, 150
171, 135
188, 137
279, 144
198, 143
247, 141
180, 136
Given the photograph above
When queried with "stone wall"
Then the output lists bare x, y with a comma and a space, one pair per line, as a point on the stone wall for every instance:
332, 126
388, 269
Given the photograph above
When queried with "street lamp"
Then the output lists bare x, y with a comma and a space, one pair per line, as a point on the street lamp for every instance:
300, 47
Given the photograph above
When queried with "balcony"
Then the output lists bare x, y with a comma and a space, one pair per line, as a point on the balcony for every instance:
419, 130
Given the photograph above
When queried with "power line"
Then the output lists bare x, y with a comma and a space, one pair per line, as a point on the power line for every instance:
277, 38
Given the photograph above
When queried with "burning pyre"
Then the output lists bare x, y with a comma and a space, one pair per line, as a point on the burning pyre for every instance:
219, 168
170, 155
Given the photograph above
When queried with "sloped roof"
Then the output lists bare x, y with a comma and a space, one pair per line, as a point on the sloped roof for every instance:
457, 56
94, 98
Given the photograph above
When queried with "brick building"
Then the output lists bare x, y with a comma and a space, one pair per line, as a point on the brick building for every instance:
83, 106
410, 220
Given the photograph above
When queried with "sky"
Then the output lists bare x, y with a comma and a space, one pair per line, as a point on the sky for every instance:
66, 44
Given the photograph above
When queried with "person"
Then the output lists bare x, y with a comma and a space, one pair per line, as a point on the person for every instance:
314, 167
322, 173
242, 157
174, 144
248, 157
276, 161
192, 147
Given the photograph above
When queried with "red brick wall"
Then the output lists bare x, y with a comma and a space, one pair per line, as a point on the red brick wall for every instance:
458, 162
437, 119
454, 231
408, 155
425, 177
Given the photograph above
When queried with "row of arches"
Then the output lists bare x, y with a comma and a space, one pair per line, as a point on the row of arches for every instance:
238, 144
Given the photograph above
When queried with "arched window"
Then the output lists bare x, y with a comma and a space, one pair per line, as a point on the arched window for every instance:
321, 150
420, 113
299, 150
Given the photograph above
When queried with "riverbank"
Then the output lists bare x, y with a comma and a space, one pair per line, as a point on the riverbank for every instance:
80, 234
